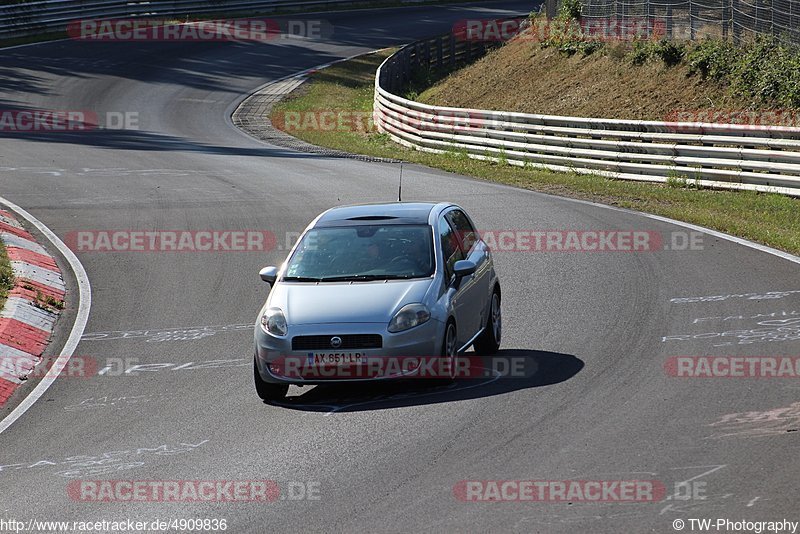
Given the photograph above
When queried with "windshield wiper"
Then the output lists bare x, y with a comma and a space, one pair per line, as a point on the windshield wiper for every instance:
301, 279
368, 277
354, 278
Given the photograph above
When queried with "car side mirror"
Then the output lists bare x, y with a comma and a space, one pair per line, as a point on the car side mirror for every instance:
269, 274
464, 268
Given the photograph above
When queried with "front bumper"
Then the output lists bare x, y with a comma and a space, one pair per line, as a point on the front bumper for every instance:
278, 363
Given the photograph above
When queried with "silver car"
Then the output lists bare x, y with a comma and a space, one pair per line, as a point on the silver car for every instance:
369, 286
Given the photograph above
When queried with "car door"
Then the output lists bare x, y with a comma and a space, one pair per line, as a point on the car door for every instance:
474, 247
473, 298
451, 253
474, 250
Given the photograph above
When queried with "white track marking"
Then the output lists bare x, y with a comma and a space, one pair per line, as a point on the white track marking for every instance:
81, 318
720, 235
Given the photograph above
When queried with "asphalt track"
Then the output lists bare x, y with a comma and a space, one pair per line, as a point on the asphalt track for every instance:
386, 458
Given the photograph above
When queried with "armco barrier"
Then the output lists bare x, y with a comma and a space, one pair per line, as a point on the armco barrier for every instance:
725, 156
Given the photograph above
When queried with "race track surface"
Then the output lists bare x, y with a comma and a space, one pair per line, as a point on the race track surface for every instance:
596, 327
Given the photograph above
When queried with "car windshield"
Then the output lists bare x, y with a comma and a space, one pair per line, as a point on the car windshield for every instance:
362, 253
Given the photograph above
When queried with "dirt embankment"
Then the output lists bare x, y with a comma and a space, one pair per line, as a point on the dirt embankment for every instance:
522, 76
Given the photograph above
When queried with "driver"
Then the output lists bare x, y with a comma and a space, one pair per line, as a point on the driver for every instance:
373, 258
419, 255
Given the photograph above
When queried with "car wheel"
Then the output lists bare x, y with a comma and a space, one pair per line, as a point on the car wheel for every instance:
449, 349
266, 390
489, 341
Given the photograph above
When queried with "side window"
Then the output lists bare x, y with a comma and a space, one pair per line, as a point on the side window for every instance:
464, 229
450, 249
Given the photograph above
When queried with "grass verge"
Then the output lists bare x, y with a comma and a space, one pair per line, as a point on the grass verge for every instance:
6, 275
347, 87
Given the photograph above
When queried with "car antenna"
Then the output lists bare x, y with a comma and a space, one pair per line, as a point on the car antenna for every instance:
400, 187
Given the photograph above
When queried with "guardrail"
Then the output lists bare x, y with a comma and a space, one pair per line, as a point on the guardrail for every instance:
725, 156
31, 18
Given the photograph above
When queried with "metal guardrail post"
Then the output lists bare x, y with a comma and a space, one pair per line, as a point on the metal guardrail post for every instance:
726, 15
669, 31
551, 8
452, 50
757, 18
772, 18
406, 71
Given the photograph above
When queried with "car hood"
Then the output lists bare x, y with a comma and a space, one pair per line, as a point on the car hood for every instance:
344, 302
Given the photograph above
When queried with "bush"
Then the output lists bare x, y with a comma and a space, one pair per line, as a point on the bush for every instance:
640, 53
567, 36
766, 71
570, 10
712, 58
669, 52
584, 47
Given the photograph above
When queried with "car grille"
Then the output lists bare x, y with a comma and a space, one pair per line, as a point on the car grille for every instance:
349, 341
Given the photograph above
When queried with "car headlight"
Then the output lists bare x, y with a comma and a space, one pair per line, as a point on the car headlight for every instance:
409, 316
274, 322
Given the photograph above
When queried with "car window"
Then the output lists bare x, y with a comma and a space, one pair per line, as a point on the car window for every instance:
451, 252
464, 229
363, 252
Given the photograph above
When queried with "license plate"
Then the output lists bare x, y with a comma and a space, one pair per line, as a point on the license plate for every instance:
336, 358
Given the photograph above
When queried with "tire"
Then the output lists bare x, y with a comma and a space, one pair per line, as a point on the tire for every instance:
266, 390
489, 341
449, 347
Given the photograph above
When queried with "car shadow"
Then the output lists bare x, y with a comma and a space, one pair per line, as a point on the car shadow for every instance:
507, 371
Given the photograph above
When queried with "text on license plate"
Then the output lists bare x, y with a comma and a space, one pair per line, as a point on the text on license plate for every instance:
336, 358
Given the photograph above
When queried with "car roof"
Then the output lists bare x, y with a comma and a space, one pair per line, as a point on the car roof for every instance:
386, 213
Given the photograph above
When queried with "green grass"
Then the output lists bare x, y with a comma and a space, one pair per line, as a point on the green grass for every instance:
48, 303
770, 219
6, 275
